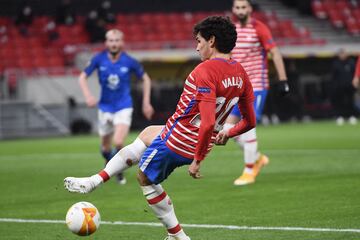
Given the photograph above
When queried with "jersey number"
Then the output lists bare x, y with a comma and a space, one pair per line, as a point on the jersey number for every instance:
220, 101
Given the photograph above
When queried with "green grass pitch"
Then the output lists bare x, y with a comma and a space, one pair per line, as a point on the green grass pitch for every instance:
312, 182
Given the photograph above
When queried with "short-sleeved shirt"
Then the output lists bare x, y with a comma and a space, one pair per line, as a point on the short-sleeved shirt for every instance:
253, 42
220, 81
114, 79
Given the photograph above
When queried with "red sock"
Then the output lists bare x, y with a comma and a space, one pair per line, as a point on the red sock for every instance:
249, 165
104, 175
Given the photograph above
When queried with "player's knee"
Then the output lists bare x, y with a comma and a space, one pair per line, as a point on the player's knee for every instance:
148, 134
142, 179
106, 143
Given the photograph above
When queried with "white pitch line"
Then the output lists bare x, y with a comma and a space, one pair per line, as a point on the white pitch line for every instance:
228, 227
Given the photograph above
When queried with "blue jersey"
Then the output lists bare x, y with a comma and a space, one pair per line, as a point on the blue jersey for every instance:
114, 79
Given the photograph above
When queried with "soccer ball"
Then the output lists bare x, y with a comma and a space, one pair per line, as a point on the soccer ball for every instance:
83, 218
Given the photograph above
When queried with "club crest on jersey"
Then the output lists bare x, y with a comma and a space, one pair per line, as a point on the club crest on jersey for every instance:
113, 81
232, 82
203, 90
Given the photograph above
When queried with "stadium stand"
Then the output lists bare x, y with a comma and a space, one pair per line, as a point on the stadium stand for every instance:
340, 13
142, 31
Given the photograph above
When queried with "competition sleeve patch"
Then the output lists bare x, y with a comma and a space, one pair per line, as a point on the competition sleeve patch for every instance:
203, 89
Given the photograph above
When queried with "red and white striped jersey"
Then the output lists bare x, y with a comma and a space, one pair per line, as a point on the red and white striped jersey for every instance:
221, 81
253, 42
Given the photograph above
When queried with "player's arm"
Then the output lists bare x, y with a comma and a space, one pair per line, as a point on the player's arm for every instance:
279, 63
91, 101
89, 98
147, 108
356, 79
207, 113
247, 122
268, 43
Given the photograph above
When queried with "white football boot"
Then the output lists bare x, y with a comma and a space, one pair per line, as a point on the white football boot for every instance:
79, 185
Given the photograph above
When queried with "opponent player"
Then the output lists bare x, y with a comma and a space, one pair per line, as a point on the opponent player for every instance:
210, 92
114, 67
254, 41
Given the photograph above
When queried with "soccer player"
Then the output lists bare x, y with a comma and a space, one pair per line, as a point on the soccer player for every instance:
342, 88
114, 67
210, 92
254, 41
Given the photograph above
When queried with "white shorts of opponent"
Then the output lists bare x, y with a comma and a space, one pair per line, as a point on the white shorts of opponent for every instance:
107, 120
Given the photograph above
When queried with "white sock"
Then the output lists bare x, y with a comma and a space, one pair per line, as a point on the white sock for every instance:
250, 149
125, 158
163, 208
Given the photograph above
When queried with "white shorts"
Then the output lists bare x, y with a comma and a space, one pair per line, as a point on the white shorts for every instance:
108, 120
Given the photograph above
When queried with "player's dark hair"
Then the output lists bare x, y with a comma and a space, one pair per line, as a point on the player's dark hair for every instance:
249, 1
221, 28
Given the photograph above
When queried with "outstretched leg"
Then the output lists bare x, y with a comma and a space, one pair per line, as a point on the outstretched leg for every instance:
124, 159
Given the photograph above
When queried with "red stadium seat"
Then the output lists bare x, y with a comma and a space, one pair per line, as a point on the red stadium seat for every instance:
146, 18
56, 61
329, 5
160, 18
41, 62
356, 14
352, 26
35, 42
318, 9
25, 63
37, 52
342, 4
41, 21
336, 18
5, 21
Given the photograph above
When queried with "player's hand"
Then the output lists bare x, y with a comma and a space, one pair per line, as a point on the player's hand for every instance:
221, 138
194, 169
148, 111
91, 101
283, 88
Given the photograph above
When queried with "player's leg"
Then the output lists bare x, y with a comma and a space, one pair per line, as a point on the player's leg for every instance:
156, 164
248, 145
120, 134
105, 130
106, 147
253, 159
131, 154
124, 159
122, 122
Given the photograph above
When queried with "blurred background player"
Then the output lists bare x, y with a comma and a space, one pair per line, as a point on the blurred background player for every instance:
114, 67
254, 41
342, 89
210, 92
